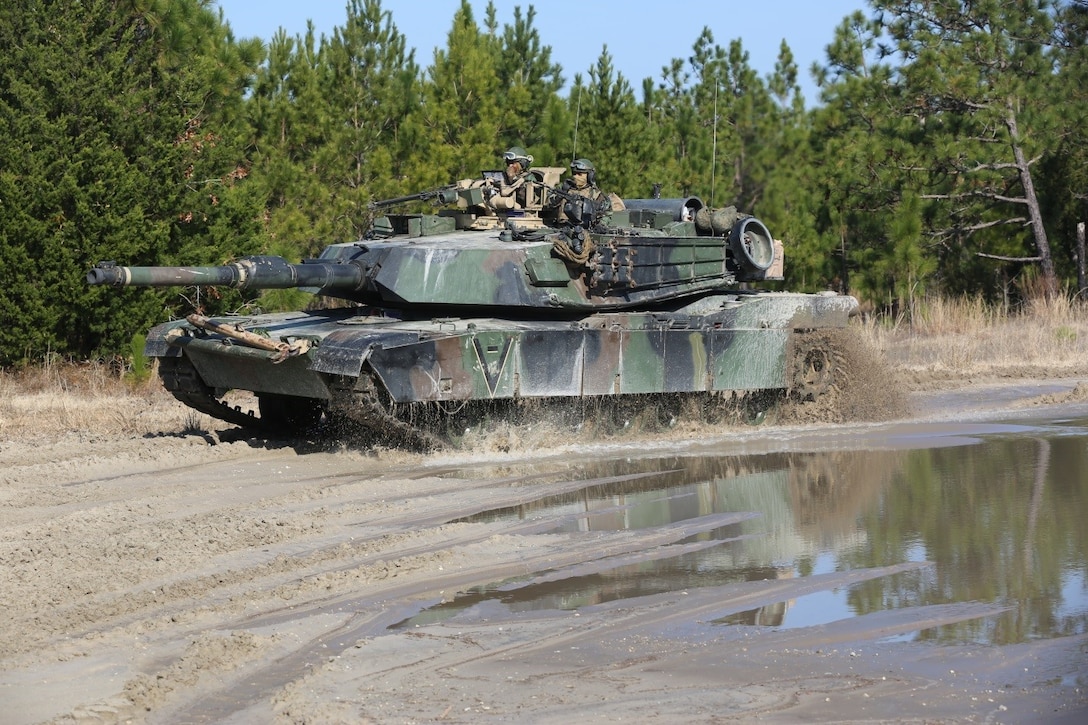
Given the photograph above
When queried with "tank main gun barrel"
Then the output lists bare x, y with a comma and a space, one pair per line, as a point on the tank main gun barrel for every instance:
260, 272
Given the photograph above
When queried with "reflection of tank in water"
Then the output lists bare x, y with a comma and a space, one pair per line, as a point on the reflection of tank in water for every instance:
807, 504
818, 492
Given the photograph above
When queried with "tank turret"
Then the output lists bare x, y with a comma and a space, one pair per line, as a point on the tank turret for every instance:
427, 261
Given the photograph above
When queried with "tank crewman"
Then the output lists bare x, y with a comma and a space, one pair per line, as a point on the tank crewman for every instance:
512, 190
583, 182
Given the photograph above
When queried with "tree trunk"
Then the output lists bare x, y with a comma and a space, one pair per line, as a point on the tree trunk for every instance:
1042, 244
1082, 275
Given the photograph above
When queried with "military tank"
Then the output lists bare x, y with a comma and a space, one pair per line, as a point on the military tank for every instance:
471, 309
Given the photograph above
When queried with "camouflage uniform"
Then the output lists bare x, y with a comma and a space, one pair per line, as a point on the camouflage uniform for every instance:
583, 182
512, 191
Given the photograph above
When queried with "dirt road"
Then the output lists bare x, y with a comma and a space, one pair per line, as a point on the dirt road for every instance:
211, 577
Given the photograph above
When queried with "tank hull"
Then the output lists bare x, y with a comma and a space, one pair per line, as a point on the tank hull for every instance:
729, 342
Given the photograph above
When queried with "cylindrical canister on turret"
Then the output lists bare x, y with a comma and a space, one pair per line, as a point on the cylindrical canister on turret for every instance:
682, 209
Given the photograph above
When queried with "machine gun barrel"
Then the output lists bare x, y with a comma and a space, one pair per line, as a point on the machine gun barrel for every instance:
579, 210
260, 272
550, 191
441, 195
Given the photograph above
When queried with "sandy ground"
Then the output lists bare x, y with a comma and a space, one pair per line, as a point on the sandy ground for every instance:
214, 577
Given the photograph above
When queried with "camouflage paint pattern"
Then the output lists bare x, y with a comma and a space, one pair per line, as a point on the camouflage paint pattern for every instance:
477, 269
728, 342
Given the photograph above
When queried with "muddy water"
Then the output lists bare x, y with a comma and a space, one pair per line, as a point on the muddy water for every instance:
998, 511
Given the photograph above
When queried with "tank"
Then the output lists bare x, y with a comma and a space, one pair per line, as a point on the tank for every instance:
472, 310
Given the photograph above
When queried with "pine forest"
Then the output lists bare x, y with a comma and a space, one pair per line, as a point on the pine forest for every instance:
947, 153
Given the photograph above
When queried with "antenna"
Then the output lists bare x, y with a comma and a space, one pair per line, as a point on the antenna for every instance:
577, 115
714, 135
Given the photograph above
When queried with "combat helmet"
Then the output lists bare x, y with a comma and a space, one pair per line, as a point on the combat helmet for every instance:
517, 153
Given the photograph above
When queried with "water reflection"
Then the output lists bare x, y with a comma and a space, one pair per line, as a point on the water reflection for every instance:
1000, 515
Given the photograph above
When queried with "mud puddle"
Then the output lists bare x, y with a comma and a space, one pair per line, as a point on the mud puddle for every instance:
987, 512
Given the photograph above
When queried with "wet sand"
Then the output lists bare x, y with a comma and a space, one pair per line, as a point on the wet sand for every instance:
221, 578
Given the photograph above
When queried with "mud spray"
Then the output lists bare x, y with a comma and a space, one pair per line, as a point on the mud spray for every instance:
860, 387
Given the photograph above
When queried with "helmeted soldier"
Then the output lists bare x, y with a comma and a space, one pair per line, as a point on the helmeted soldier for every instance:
511, 193
583, 182
516, 164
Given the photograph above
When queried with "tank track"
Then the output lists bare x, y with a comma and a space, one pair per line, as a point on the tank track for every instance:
184, 383
364, 409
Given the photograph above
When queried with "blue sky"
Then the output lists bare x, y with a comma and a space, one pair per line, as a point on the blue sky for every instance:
641, 35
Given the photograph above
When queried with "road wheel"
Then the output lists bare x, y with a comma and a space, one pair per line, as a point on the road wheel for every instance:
813, 371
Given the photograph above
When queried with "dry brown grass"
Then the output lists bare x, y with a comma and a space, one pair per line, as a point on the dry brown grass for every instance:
91, 398
957, 339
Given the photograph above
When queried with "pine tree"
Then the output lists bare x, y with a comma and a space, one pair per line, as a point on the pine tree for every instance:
668, 108
109, 155
611, 131
370, 88
790, 202
288, 120
219, 212
869, 212
975, 79
1063, 177
846, 159
529, 85
462, 117
687, 116
334, 121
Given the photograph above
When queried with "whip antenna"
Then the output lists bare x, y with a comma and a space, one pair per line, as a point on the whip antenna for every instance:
714, 144
577, 115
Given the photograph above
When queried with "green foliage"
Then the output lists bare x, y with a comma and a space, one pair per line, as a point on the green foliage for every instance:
937, 117
611, 131
1063, 170
971, 110
529, 84
332, 125
461, 110
138, 371
369, 85
1066, 334
146, 133
113, 155
77, 182
852, 168
284, 299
